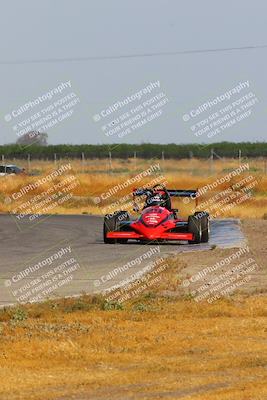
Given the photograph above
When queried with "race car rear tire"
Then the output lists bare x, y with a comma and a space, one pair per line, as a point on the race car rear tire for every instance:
205, 225
194, 226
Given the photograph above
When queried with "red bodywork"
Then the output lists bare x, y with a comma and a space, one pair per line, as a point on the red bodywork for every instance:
154, 223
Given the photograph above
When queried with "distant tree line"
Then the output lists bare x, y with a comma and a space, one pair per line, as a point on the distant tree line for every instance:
145, 150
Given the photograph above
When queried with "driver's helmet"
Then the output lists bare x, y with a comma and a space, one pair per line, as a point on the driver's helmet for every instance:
155, 200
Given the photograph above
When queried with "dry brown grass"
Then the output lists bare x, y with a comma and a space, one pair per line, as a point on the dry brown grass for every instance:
168, 349
96, 178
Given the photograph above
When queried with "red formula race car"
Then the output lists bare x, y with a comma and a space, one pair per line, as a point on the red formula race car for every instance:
158, 220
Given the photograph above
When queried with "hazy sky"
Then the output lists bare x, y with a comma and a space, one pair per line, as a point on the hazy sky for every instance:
36, 34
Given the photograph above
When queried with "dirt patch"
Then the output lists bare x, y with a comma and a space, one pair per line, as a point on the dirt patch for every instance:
216, 273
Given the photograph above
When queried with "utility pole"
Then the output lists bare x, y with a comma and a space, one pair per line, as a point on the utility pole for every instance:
240, 156
191, 161
29, 162
110, 161
163, 160
83, 161
211, 161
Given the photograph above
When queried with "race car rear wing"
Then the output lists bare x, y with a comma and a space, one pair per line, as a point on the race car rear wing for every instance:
182, 193
172, 192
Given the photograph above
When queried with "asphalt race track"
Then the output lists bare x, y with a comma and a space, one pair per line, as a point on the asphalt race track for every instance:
65, 255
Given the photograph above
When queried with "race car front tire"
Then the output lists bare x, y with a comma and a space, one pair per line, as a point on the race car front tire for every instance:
122, 216
111, 223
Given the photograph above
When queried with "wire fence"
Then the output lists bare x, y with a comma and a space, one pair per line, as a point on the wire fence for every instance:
211, 165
